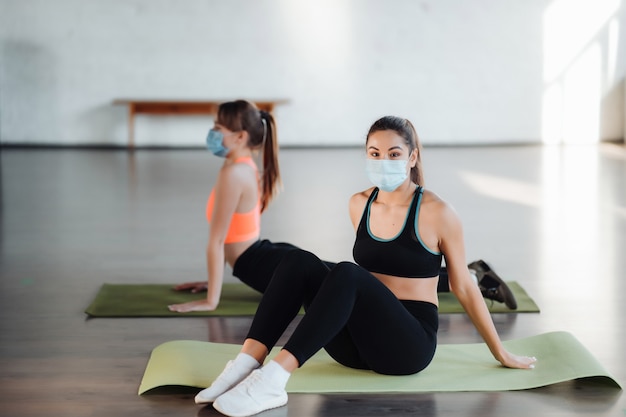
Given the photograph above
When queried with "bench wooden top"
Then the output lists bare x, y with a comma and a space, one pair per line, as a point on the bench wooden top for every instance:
179, 107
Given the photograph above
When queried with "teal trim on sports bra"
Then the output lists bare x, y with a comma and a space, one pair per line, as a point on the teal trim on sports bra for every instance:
406, 218
369, 231
417, 230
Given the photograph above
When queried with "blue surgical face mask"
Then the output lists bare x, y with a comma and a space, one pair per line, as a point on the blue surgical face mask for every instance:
215, 143
386, 174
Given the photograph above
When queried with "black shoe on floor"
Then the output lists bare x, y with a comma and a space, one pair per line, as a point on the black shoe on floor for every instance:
492, 286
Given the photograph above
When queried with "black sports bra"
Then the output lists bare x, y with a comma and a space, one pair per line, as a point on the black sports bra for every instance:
404, 255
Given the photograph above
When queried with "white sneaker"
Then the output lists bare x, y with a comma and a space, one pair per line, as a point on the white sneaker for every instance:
233, 373
253, 395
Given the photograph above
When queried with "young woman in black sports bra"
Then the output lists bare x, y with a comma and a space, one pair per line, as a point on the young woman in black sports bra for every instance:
379, 313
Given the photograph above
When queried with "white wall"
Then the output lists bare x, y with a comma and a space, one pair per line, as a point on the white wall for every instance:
463, 71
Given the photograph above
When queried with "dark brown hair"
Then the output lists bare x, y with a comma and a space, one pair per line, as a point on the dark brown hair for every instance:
243, 115
406, 130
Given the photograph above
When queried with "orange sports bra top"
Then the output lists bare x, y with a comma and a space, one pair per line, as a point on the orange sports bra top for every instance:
243, 226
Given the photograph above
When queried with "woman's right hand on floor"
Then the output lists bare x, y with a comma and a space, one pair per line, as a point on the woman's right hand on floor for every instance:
192, 287
511, 360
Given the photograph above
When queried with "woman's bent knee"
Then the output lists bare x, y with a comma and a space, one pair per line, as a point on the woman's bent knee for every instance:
346, 270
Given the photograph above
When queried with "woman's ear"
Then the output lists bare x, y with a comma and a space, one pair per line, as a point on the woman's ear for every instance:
242, 137
413, 158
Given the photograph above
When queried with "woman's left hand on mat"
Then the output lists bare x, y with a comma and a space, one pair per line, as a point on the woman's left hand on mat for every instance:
511, 360
199, 305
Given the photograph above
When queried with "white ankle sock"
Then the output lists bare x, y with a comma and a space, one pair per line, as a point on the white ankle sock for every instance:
276, 374
246, 361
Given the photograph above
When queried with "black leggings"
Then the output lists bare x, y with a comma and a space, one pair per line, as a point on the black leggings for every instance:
255, 267
349, 313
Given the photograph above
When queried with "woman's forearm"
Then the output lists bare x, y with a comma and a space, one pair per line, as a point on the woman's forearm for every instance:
215, 273
474, 305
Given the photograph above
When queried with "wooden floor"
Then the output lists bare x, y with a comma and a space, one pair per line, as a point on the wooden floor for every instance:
552, 218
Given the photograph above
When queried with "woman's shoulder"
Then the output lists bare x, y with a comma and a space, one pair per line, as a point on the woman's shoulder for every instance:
237, 169
433, 202
430, 197
357, 204
438, 209
361, 197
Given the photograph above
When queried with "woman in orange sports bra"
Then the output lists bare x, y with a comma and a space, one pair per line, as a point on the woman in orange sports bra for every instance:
236, 202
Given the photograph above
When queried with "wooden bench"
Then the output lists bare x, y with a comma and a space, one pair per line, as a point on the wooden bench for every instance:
178, 107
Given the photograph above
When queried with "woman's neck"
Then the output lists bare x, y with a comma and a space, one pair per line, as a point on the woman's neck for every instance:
399, 196
235, 154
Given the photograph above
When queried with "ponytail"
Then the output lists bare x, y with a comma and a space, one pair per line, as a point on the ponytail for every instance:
271, 172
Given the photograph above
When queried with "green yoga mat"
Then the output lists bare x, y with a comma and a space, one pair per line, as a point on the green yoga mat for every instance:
151, 300
456, 367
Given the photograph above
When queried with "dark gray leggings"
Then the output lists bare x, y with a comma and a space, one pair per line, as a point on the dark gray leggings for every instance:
349, 313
